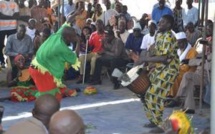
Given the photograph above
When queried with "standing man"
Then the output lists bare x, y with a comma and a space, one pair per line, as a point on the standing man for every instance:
190, 14
163, 75
80, 19
178, 12
40, 14
23, 11
68, 8
9, 12
158, 12
95, 42
106, 16
19, 43
112, 56
47, 68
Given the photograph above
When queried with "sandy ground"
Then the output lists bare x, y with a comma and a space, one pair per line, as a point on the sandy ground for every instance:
108, 112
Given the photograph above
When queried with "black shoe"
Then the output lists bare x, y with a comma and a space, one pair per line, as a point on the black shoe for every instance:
98, 82
116, 86
90, 81
78, 89
80, 80
150, 125
172, 104
189, 111
156, 130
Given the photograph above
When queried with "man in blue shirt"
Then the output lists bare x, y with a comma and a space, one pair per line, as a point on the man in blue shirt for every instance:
134, 40
158, 12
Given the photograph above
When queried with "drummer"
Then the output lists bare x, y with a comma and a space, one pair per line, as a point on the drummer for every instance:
163, 75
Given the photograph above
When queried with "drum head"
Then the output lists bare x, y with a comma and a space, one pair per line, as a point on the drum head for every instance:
132, 74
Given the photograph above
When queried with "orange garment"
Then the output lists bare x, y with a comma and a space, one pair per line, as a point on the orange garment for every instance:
50, 15
80, 20
182, 70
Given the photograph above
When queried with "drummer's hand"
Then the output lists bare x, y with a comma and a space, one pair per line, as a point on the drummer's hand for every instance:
135, 57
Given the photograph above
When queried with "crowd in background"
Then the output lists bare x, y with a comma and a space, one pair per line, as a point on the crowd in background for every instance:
112, 38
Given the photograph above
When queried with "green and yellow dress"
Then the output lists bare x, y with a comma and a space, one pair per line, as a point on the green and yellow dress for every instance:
162, 77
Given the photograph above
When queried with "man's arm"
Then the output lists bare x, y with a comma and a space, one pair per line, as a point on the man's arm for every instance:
118, 48
31, 48
128, 44
196, 16
8, 47
71, 18
6, 17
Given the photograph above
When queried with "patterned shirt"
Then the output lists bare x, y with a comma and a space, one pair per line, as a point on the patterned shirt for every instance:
166, 45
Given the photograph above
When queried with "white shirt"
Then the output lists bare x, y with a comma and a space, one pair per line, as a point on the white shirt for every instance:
67, 9
123, 36
190, 15
106, 16
30, 32
147, 41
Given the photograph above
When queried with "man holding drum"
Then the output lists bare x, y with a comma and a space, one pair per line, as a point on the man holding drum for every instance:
162, 76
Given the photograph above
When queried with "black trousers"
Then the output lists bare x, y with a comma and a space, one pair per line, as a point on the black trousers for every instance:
109, 62
2, 38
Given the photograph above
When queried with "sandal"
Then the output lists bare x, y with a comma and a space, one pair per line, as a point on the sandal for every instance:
150, 125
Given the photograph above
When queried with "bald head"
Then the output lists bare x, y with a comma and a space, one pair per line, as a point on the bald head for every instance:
69, 35
45, 106
66, 122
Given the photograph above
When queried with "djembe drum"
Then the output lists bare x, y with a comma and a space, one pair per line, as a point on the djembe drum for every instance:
136, 80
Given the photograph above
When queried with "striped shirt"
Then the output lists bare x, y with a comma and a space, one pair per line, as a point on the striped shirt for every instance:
8, 8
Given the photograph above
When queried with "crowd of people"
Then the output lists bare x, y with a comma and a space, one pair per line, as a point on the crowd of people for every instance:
168, 43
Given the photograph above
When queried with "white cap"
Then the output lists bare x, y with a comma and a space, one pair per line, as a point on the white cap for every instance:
89, 19
93, 23
180, 35
152, 21
137, 26
32, 19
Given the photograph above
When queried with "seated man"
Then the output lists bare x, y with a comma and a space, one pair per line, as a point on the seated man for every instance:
44, 107
185, 52
188, 83
192, 33
94, 42
112, 56
39, 39
147, 42
121, 32
66, 122
134, 40
19, 43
